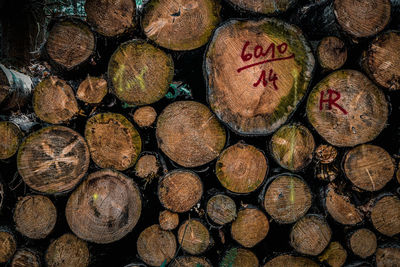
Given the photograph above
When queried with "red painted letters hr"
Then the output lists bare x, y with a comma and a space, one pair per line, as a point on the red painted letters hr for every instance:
259, 52
331, 101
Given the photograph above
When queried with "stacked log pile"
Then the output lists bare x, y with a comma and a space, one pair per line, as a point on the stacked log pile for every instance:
206, 133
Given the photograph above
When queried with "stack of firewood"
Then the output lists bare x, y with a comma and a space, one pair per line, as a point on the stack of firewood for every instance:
206, 133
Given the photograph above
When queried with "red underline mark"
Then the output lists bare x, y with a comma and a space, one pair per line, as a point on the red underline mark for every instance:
263, 62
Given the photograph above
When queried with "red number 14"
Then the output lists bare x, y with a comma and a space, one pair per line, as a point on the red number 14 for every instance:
271, 78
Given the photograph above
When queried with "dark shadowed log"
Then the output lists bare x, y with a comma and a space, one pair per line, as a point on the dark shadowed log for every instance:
180, 24
70, 43
156, 246
190, 261
268, 7
147, 167
140, 73
53, 159
340, 207
104, 208
363, 242
66, 251
25, 258
290, 261
194, 237
180, 190
92, 90
111, 18
292, 147
113, 141
241, 168
287, 198
54, 101
189, 134
334, 255
10, 138
382, 60
221, 209
145, 116
250, 227
15, 89
35, 216
387, 256
369, 167
168, 220
347, 109
310, 235
257, 72
385, 215
331, 53
239, 257
8, 245
362, 18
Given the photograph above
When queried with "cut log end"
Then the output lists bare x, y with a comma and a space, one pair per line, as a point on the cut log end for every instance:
92, 90
289, 260
10, 138
310, 235
369, 167
147, 167
145, 116
180, 190
239, 257
249, 95
250, 227
332, 53
70, 43
190, 261
241, 168
287, 199
53, 159
325, 154
264, 7
292, 146
180, 24
8, 245
341, 209
221, 209
347, 109
35, 216
362, 18
387, 256
156, 246
194, 237
54, 101
25, 258
334, 255
189, 134
109, 201
385, 215
382, 60
132, 70
67, 250
168, 220
113, 141
111, 18
363, 243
